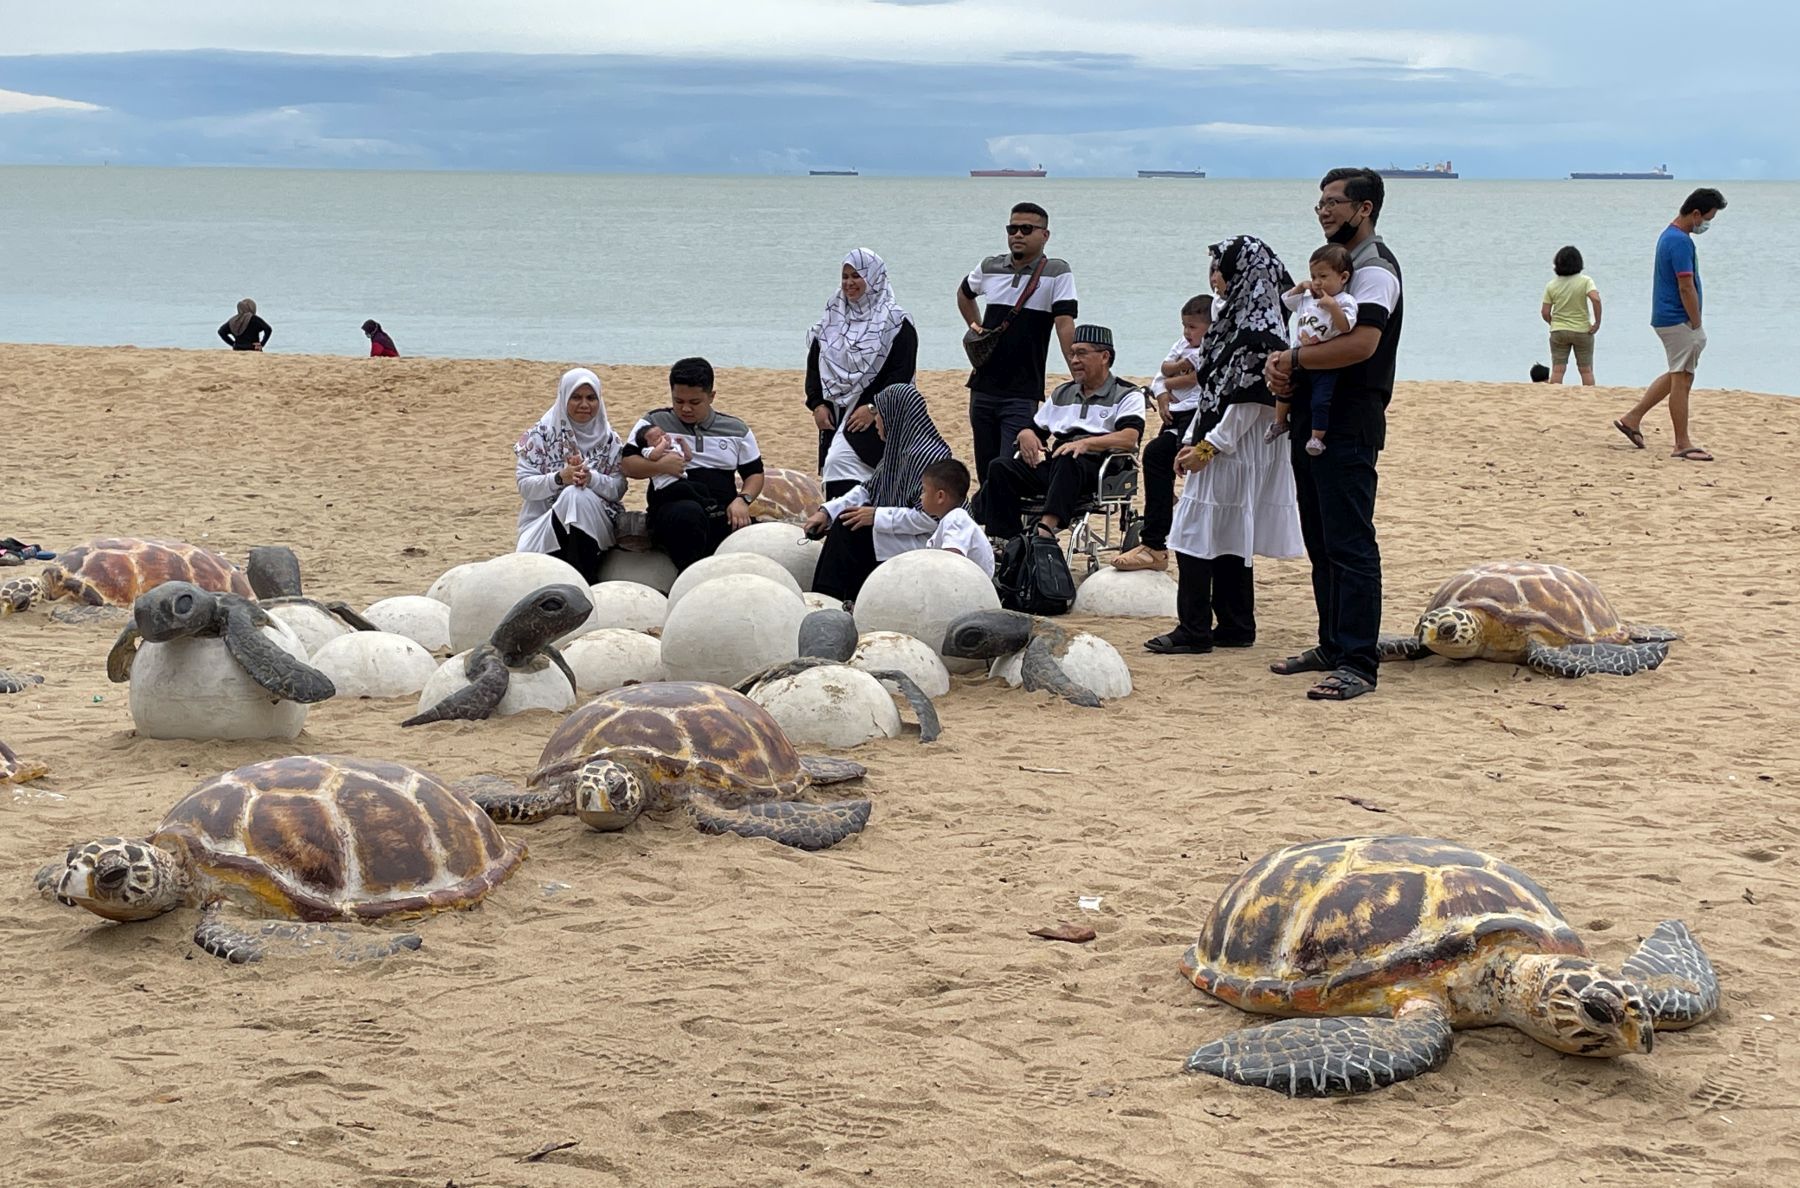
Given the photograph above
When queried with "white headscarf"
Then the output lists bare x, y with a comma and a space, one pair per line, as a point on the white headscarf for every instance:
855, 337
547, 445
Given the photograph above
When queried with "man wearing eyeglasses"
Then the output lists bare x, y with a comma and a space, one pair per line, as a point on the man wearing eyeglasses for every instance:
1005, 390
1062, 446
1336, 489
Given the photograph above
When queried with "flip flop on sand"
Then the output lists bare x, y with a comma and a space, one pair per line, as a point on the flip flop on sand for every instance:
1341, 685
1311, 660
1636, 435
1692, 454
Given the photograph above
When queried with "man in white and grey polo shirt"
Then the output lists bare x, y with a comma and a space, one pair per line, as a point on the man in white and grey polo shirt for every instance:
1070, 435
1004, 391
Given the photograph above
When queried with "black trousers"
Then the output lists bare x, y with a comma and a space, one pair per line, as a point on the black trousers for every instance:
687, 530
995, 423
845, 562
1159, 481
1336, 492
1063, 482
1219, 591
838, 488
578, 549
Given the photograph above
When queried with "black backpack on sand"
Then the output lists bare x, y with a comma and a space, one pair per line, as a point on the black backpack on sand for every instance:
1033, 576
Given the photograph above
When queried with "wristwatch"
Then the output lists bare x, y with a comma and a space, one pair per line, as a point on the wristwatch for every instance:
747, 500
559, 479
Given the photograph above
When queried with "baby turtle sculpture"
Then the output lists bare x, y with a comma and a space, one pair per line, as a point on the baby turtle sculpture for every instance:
991, 634
829, 637
114, 571
521, 640
1547, 617
274, 573
18, 682
1394, 941
14, 770
679, 744
312, 838
181, 610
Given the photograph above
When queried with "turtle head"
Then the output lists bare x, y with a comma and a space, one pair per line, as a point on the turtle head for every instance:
274, 572
987, 635
174, 610
19, 593
120, 878
541, 617
1451, 631
1575, 1006
609, 794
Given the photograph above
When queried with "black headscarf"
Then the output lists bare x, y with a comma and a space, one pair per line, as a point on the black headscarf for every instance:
1251, 323
913, 443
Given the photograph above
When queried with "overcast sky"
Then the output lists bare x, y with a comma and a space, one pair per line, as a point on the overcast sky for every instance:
1521, 89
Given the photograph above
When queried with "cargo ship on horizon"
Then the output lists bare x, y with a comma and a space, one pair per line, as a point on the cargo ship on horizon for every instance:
1038, 172
1171, 173
1660, 173
832, 173
1441, 170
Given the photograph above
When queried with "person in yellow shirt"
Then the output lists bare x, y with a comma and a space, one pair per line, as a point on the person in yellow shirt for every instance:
1565, 309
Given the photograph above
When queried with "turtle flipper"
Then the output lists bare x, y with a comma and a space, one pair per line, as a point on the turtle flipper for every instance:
18, 682
124, 651
242, 946
1678, 981
1644, 633
1040, 669
266, 664
1330, 1057
344, 611
821, 769
507, 803
1400, 647
476, 701
786, 668
556, 658
929, 726
790, 822
1610, 659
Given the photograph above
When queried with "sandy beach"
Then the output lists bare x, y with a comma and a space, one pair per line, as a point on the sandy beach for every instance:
710, 1011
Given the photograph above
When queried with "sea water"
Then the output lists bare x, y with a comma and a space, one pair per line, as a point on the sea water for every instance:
645, 269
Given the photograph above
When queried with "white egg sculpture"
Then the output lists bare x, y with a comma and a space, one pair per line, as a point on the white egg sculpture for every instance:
526, 689
425, 621
920, 592
785, 544
612, 657
313, 627
1090, 661
628, 605
193, 689
1116, 593
821, 601
480, 598
375, 664
832, 706
718, 566
890, 651
652, 568
448, 581
726, 629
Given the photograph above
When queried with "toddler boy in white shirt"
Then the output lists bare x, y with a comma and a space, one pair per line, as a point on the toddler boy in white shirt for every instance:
943, 489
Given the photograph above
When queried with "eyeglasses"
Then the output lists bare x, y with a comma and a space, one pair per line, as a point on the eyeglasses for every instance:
1330, 200
1023, 228
1082, 353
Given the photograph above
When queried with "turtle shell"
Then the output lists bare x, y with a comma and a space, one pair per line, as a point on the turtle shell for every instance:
1549, 603
688, 735
327, 837
1348, 926
787, 495
114, 571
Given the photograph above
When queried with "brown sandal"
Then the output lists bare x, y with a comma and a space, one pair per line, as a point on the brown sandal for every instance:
1141, 558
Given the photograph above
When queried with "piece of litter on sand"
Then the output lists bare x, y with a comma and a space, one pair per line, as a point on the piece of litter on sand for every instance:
1767, 1018
1047, 770
1088, 903
553, 888
1062, 930
1360, 803
548, 1149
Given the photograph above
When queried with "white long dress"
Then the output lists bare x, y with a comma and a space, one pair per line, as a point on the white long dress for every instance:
1242, 503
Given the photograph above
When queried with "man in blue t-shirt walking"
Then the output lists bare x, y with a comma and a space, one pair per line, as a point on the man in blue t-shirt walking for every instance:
1675, 315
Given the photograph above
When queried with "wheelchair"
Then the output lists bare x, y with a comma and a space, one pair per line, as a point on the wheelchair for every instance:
1106, 522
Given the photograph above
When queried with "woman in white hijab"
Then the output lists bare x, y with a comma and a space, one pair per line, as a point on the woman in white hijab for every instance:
569, 477
863, 343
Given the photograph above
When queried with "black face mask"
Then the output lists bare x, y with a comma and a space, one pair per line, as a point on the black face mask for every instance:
1344, 234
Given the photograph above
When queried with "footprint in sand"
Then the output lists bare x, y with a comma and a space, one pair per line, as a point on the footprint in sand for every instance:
1085, 1171
1730, 1085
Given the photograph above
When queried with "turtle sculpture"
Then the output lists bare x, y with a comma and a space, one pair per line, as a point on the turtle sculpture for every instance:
1547, 617
114, 571
788, 496
274, 574
990, 634
680, 744
1392, 942
310, 838
18, 682
14, 770
182, 610
828, 638
521, 640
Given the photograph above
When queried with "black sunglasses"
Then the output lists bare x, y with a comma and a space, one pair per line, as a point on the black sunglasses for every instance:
1023, 228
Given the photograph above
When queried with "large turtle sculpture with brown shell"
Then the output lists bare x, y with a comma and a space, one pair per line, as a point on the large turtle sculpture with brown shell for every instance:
312, 840
112, 572
1387, 944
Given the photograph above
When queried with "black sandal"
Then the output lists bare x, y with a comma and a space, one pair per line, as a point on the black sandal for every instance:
1341, 685
1172, 645
1311, 660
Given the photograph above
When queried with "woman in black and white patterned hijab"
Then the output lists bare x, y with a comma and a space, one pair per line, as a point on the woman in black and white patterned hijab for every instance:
1249, 323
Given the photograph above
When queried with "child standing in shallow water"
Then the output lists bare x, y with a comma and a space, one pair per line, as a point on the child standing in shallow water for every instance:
1325, 311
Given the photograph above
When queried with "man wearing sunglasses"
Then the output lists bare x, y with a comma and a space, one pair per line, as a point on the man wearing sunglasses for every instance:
1004, 392
1336, 489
